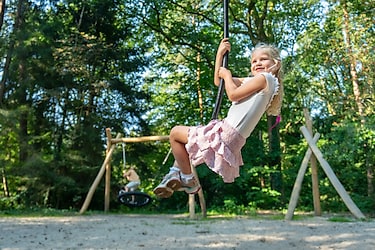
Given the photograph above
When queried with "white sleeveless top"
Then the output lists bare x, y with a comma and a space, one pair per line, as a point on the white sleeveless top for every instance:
245, 114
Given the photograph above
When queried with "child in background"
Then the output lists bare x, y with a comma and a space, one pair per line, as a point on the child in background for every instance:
219, 143
133, 179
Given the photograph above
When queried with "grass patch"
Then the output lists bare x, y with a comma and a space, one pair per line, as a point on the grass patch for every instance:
37, 212
340, 219
212, 215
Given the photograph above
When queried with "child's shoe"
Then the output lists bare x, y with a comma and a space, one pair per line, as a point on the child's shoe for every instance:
170, 183
191, 186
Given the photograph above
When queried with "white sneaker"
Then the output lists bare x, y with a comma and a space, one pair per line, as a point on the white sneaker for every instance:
170, 183
191, 186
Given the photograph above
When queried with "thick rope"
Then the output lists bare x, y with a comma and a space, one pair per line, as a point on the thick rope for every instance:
220, 93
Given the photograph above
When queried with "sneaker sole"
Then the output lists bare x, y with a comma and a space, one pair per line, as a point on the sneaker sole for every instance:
192, 192
174, 184
163, 192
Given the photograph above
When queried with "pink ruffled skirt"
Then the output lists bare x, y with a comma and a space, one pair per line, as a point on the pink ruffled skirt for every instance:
219, 146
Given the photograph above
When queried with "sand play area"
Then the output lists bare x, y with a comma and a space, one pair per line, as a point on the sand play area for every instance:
153, 232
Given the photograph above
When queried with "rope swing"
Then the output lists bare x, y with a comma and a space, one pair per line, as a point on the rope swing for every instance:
123, 155
220, 93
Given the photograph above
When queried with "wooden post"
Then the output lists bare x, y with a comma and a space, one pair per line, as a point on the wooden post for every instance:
107, 190
331, 175
298, 183
111, 144
192, 206
202, 201
314, 168
96, 182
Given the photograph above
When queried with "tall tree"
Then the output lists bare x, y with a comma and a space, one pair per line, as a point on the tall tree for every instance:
335, 74
349, 22
2, 11
75, 70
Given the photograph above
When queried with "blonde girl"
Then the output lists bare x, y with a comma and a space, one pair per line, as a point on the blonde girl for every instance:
218, 144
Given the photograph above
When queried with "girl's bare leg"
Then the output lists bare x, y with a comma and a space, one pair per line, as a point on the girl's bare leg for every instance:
180, 175
178, 137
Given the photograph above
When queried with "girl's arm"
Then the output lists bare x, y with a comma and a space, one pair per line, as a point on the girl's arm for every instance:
235, 91
223, 48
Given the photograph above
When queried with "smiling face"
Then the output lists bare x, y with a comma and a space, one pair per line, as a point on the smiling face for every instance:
261, 61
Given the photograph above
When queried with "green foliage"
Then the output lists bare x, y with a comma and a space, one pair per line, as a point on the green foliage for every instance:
10, 203
77, 62
140, 68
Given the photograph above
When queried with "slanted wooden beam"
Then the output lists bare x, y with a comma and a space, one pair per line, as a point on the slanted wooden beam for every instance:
96, 182
331, 175
298, 183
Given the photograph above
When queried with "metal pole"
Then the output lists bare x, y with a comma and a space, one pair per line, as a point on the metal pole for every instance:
220, 93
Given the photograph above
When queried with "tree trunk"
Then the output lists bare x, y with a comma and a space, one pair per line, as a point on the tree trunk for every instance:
6, 71
2, 12
22, 74
274, 154
5, 182
8, 57
352, 62
199, 90
356, 90
23, 118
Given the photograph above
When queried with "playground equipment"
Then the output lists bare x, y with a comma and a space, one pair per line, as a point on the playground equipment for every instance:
106, 168
131, 195
134, 198
312, 154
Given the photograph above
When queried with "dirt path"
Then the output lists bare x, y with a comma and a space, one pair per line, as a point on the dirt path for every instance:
176, 232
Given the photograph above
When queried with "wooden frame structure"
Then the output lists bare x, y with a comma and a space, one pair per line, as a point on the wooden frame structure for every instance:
106, 168
313, 150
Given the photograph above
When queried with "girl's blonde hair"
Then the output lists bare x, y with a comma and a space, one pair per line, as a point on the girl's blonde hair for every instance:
275, 106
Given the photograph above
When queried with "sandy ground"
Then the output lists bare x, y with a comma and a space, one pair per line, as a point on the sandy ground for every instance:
179, 232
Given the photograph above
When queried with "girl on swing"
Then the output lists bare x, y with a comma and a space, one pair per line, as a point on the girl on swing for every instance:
219, 143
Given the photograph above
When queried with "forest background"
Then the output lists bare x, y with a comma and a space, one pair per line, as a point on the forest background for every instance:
70, 69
